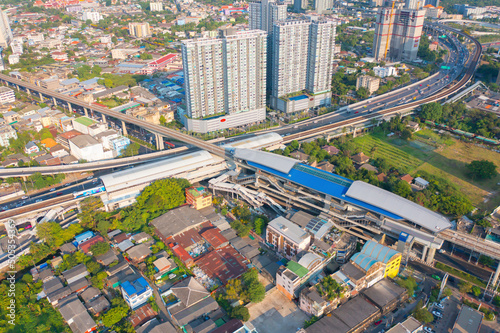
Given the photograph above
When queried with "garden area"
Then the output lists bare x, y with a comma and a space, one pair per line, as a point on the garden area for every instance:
430, 154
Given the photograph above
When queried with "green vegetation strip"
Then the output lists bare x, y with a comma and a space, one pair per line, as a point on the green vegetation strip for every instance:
460, 274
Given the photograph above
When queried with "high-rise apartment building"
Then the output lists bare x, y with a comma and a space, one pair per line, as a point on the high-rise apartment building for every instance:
434, 3
321, 6
300, 5
5, 31
93, 16
263, 15
302, 62
414, 4
156, 6
289, 64
225, 80
138, 29
397, 33
320, 57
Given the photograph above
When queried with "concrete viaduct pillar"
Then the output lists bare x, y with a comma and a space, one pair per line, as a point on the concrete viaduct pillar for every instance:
495, 277
28, 91
54, 101
69, 107
41, 96
17, 87
124, 128
103, 118
430, 256
86, 112
424, 252
159, 142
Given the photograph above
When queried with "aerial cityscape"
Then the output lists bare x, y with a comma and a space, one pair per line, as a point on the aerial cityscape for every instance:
270, 166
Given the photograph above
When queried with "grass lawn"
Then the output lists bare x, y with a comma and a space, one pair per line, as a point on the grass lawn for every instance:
443, 157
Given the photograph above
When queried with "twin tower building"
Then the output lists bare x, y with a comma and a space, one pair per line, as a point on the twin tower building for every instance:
227, 78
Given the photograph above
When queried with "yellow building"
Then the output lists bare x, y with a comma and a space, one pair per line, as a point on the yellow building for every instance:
198, 197
376, 258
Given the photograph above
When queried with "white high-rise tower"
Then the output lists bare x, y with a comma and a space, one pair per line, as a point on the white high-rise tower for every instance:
225, 80
5, 31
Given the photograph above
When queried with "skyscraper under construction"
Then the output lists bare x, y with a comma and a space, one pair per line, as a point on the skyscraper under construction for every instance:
397, 32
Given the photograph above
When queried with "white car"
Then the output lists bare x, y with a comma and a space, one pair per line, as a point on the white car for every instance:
52, 189
428, 329
90, 177
440, 306
437, 314
24, 197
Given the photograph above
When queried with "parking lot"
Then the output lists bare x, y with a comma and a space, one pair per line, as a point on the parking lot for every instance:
276, 314
451, 307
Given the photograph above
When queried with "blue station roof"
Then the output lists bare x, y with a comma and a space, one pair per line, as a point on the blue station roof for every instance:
323, 182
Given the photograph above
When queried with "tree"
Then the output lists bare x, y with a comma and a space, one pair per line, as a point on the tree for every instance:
482, 169
362, 93
131, 150
476, 291
240, 312
432, 111
422, 314
258, 225
464, 287
114, 315
99, 248
406, 134
254, 290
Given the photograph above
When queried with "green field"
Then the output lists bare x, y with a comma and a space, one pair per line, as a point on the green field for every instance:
441, 156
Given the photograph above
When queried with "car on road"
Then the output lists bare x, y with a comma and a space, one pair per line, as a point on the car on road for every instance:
59, 193
24, 197
439, 306
437, 314
436, 277
90, 177
428, 330
67, 184
39, 200
356, 112
378, 322
52, 190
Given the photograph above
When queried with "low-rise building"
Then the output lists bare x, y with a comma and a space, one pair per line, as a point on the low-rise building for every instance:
136, 292
6, 133
410, 325
85, 147
75, 273
7, 95
290, 279
468, 320
369, 82
198, 197
76, 315
317, 300
385, 71
286, 237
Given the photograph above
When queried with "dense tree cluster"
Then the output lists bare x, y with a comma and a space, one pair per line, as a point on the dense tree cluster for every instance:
482, 169
248, 288
457, 116
422, 314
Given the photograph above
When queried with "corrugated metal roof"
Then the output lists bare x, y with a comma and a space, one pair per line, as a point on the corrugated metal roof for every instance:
256, 141
395, 204
277, 162
157, 170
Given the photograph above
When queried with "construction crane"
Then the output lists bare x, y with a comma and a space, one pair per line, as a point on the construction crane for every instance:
389, 31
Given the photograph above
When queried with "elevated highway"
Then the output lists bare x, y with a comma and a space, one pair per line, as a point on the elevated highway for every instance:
90, 166
470, 68
156, 129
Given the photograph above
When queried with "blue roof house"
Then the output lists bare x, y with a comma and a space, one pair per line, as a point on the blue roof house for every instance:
83, 237
136, 293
